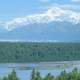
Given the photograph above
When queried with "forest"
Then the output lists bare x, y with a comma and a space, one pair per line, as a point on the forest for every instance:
21, 52
35, 75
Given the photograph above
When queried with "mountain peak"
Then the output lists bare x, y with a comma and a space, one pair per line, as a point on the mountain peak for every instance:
51, 15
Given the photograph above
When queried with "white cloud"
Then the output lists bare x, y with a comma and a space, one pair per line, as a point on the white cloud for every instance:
51, 15
46, 17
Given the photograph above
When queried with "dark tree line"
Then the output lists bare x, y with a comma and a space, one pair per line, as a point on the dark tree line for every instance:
35, 75
32, 52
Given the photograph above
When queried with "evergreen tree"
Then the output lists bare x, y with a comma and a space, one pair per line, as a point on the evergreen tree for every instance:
49, 77
33, 74
13, 76
38, 77
4, 78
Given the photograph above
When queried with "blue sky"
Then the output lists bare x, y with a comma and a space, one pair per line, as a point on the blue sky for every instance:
16, 14
10, 9
13, 8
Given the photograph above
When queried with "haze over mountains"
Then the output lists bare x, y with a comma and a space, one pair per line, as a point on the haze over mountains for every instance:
58, 23
52, 15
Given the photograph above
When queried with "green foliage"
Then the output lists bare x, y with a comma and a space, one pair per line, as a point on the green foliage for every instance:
49, 77
74, 75
5, 78
11, 76
37, 52
38, 77
33, 74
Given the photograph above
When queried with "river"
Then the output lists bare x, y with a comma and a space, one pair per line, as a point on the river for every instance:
24, 70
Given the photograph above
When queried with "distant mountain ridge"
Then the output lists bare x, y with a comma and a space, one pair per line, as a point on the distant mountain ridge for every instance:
54, 24
54, 31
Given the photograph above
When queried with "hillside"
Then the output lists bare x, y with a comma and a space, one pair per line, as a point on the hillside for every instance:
37, 52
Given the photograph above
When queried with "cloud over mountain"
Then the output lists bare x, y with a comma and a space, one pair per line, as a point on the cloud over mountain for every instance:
51, 15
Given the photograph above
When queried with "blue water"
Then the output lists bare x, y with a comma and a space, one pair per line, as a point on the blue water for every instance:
25, 73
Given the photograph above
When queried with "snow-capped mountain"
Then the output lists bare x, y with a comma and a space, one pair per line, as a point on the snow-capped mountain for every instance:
54, 24
54, 14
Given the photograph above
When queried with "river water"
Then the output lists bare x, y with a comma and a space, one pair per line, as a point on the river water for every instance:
24, 70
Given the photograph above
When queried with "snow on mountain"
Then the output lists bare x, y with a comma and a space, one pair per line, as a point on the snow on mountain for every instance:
54, 14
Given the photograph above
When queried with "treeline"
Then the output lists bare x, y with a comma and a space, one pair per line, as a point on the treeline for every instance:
11, 76
37, 52
74, 75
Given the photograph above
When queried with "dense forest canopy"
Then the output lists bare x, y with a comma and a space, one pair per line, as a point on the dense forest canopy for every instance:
37, 52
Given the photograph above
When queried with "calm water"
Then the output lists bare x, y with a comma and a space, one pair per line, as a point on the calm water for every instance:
24, 70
